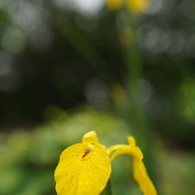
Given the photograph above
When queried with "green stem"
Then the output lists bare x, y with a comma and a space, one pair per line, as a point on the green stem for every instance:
108, 189
133, 59
189, 98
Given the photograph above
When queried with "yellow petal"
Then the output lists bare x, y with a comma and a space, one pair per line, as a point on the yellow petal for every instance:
125, 148
90, 137
142, 178
131, 140
115, 147
139, 171
138, 6
83, 168
114, 4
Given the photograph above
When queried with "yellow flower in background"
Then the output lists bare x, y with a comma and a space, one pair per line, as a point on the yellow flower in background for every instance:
114, 4
137, 6
85, 168
134, 6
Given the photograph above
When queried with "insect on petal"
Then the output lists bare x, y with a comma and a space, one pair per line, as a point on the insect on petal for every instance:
82, 169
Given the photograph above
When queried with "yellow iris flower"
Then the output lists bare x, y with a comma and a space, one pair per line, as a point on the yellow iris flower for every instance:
134, 6
85, 168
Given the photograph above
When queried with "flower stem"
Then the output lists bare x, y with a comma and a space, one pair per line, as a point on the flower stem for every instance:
134, 81
108, 189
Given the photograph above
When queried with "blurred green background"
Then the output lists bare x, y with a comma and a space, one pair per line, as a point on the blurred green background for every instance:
63, 73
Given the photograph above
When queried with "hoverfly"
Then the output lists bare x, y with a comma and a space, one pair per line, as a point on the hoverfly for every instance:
86, 153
